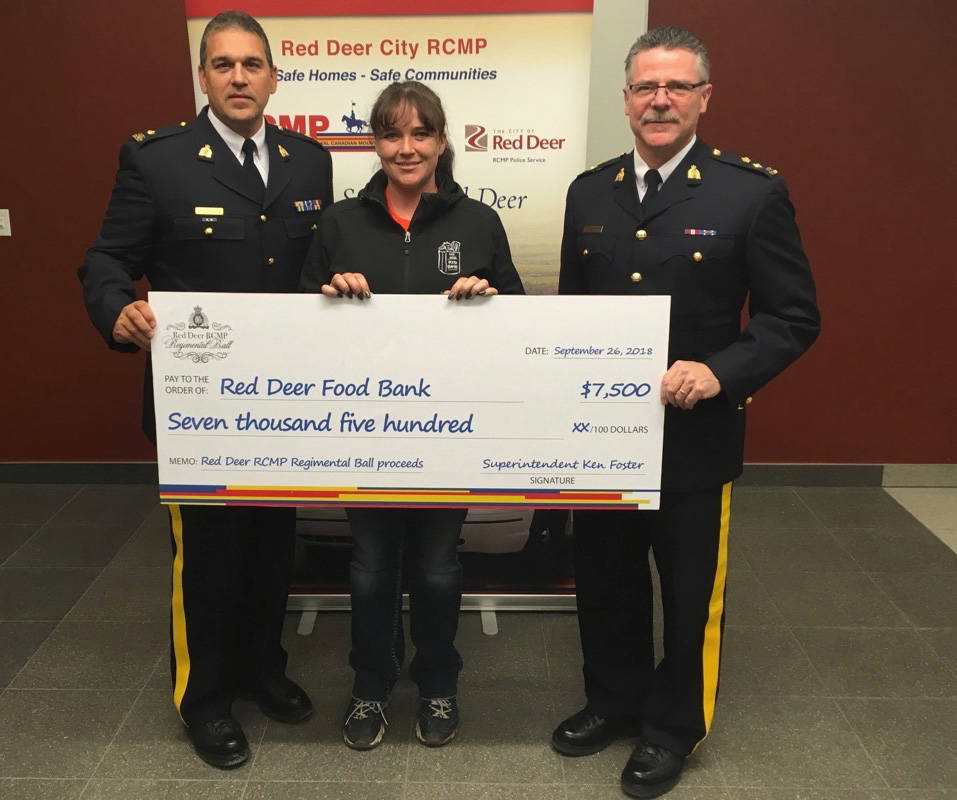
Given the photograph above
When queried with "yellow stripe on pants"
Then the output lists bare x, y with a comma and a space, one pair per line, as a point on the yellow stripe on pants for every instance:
712, 630
180, 647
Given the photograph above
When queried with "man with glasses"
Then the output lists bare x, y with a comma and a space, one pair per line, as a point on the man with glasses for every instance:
711, 229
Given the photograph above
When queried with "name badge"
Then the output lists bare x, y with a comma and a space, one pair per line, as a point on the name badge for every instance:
208, 211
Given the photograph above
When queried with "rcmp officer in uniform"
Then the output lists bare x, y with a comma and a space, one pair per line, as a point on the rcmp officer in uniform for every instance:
711, 229
225, 203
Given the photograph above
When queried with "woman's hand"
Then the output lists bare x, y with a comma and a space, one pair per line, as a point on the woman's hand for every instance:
467, 288
348, 284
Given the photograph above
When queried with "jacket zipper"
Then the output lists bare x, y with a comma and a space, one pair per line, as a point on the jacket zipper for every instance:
407, 259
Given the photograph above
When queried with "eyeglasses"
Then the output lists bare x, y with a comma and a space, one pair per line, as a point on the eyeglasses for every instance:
676, 89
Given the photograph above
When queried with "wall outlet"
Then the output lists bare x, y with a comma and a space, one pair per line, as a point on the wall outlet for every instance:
5, 222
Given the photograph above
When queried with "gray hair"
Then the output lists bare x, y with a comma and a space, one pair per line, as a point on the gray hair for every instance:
670, 38
233, 19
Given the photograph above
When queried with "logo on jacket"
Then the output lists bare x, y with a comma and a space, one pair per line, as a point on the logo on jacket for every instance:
198, 340
450, 258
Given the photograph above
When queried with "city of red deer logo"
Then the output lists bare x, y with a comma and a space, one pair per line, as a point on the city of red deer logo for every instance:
476, 139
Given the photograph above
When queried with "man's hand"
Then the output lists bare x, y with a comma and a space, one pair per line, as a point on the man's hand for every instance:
687, 382
348, 284
467, 288
135, 325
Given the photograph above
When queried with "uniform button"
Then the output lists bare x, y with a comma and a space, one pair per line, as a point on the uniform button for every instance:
697, 256
635, 277
262, 217
745, 159
641, 235
208, 231
314, 227
749, 401
150, 132
182, 124
585, 252
270, 261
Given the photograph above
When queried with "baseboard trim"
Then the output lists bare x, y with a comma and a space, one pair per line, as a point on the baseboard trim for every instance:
811, 475
754, 474
78, 472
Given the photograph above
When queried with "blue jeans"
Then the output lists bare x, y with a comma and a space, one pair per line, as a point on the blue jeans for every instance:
381, 537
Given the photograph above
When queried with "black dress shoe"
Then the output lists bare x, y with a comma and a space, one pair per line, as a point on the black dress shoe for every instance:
220, 742
585, 733
281, 699
651, 771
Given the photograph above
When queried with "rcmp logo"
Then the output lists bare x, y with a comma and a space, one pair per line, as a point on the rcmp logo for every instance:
198, 319
450, 258
198, 340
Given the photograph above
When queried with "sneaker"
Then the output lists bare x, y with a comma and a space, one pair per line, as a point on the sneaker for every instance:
437, 721
365, 724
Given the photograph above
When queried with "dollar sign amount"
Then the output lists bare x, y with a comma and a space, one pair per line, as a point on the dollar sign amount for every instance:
600, 390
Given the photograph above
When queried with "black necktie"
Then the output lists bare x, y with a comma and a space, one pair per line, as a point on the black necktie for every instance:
652, 182
249, 165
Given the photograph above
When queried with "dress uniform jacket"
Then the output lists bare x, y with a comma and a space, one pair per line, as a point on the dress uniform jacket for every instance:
719, 231
187, 216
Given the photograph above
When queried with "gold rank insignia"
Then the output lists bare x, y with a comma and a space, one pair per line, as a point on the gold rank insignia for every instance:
139, 137
205, 151
694, 174
283, 152
620, 176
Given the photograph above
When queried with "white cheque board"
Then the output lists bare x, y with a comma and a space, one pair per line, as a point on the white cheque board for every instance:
409, 400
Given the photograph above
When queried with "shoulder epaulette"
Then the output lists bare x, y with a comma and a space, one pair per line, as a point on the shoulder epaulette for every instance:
301, 136
151, 135
600, 167
743, 162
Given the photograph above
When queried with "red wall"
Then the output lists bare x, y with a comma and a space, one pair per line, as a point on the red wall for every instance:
80, 78
851, 102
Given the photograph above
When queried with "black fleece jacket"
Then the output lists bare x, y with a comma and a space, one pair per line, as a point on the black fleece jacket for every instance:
450, 236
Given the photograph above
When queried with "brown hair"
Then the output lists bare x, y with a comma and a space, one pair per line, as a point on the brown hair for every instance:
225, 20
393, 102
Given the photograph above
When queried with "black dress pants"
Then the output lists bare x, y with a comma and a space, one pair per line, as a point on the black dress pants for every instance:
231, 572
674, 700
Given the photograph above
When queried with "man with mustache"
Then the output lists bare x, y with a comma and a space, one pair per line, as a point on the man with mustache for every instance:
225, 203
711, 229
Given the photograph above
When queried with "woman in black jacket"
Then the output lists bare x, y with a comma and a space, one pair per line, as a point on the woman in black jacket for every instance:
411, 230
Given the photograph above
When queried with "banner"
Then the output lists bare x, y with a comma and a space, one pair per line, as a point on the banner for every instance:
512, 76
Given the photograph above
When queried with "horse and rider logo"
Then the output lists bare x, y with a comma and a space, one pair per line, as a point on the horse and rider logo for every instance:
356, 138
353, 123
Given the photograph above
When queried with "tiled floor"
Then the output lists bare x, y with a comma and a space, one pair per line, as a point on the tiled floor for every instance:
839, 679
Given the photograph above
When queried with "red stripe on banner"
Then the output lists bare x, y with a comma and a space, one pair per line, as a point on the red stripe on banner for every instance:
383, 8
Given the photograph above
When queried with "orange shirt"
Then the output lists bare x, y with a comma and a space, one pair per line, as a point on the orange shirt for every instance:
401, 220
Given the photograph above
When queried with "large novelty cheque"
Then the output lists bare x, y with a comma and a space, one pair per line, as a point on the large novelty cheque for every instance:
409, 400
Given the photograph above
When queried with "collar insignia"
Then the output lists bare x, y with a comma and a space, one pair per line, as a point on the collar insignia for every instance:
283, 152
205, 152
694, 174
620, 176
